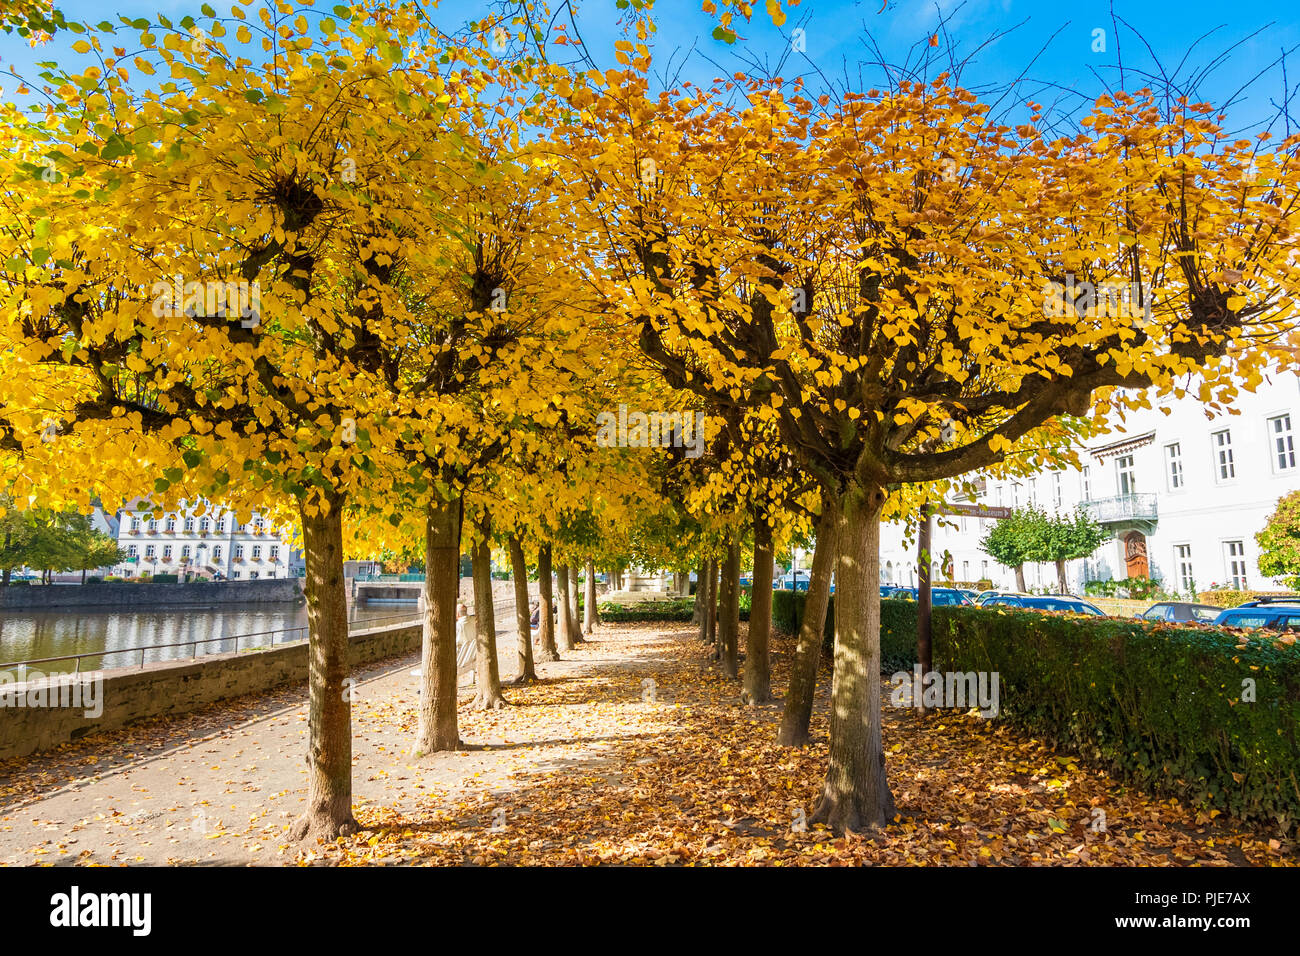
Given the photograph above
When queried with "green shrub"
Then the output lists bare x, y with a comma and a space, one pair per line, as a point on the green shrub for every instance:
1228, 597
20, 584
677, 609
164, 579
1158, 706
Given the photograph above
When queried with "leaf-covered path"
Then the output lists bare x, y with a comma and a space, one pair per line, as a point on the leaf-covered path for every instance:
633, 750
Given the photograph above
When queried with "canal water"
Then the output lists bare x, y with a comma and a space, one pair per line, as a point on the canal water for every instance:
113, 637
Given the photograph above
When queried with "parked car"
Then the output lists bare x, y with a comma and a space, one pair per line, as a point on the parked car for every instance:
939, 597
1045, 602
1272, 599
1274, 615
1181, 611
984, 596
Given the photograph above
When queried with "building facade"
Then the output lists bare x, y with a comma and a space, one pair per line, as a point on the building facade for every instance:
1182, 491
213, 545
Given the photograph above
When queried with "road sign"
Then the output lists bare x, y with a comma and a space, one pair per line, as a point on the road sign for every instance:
973, 511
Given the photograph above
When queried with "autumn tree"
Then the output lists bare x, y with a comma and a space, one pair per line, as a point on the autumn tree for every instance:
1279, 541
949, 269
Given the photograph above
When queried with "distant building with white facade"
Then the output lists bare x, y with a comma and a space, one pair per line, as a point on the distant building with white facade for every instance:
213, 545
1183, 494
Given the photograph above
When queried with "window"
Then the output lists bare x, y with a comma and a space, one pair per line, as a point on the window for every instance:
185, 552
1126, 475
149, 551
1279, 430
984, 569
275, 552
999, 495
153, 524
1234, 553
1224, 467
1033, 491
235, 574
251, 575
189, 525
171, 522
1058, 497
167, 552
1183, 563
257, 552
205, 525
1015, 494
257, 526
135, 524
131, 551
1087, 483
216, 552
221, 526
1174, 465
239, 552
965, 570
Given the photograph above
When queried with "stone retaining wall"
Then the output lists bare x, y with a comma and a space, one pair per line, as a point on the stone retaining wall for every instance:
170, 689
124, 595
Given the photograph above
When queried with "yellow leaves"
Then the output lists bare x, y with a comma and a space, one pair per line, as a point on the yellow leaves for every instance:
81, 46
244, 35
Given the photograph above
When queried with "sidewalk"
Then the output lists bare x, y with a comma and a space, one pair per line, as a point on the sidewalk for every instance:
221, 786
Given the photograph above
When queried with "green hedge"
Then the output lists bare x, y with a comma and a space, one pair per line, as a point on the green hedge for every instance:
680, 609
1158, 706
1226, 597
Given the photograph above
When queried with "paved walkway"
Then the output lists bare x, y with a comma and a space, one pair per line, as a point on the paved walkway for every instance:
221, 786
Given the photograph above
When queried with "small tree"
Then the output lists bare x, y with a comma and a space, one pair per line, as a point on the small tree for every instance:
1011, 540
1062, 538
1279, 541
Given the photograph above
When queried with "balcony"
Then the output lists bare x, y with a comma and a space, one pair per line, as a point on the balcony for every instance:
1125, 512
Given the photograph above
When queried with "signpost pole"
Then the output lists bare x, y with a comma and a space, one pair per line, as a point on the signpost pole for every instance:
923, 596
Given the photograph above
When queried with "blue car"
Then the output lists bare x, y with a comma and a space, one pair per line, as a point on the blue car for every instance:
1051, 602
939, 597
1267, 614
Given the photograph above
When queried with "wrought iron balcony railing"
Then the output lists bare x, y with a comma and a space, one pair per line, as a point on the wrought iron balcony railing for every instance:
1122, 508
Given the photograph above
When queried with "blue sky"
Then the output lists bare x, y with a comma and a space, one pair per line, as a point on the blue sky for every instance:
1053, 42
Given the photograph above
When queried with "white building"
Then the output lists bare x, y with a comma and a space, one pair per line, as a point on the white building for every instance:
213, 545
1183, 492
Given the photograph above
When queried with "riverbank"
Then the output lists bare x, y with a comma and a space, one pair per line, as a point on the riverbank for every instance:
104, 596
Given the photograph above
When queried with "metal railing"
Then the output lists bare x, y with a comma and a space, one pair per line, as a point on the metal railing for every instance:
301, 631
391, 578
1123, 508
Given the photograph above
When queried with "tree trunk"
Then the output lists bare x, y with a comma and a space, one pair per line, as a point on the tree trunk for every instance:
575, 619
1020, 578
487, 676
698, 616
329, 714
1060, 576
437, 729
758, 668
808, 653
83, 575
856, 793
519, 571
589, 612
566, 613
729, 610
546, 651
711, 608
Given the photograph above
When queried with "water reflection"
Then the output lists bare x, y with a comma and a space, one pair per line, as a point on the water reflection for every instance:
31, 635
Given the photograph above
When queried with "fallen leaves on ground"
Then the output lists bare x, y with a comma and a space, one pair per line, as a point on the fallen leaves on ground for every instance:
680, 772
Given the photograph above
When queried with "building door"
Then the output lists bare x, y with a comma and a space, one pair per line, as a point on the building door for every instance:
1135, 555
